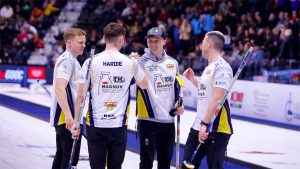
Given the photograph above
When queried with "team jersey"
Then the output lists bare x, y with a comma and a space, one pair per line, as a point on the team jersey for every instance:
111, 76
217, 74
66, 67
155, 102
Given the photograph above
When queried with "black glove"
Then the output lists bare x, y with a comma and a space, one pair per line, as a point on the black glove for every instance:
177, 105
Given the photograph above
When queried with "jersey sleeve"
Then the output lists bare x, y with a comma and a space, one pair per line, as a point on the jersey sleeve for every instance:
65, 69
138, 72
223, 77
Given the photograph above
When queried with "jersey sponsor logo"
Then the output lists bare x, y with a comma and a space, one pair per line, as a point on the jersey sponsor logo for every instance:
169, 79
66, 66
112, 63
201, 95
236, 99
170, 66
108, 86
202, 86
119, 79
108, 117
221, 83
160, 84
110, 105
152, 68
107, 83
217, 64
208, 72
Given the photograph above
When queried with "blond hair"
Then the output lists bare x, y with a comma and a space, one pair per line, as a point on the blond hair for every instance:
72, 32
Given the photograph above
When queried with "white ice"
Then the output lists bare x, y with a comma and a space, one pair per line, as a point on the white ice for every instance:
264, 145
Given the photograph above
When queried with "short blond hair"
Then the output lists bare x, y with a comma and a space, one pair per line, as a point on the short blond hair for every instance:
72, 32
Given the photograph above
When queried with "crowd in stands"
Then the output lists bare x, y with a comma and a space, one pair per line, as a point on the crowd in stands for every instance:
23, 25
272, 27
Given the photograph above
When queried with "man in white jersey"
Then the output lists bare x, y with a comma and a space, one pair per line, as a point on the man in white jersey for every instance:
211, 130
112, 73
156, 129
65, 82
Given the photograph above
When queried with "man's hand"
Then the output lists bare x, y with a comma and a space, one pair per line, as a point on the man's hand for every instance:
75, 131
180, 110
69, 120
189, 74
134, 55
203, 134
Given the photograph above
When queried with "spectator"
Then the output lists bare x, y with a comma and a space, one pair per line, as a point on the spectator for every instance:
6, 12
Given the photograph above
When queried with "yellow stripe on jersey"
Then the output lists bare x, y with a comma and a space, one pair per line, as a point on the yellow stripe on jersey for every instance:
92, 74
223, 124
61, 118
88, 119
141, 106
132, 69
127, 114
180, 81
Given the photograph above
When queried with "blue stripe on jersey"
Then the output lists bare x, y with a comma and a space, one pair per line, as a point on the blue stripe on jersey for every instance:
132, 81
91, 111
57, 114
70, 103
127, 106
146, 99
217, 121
70, 100
226, 105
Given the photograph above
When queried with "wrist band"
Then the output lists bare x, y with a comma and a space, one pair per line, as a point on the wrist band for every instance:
203, 123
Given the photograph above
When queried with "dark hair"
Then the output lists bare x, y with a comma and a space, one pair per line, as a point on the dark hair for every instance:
218, 39
112, 31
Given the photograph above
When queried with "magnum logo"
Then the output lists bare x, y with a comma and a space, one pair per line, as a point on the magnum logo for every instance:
111, 84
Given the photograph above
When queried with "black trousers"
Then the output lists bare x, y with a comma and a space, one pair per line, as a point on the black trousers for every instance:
156, 137
214, 149
102, 141
64, 144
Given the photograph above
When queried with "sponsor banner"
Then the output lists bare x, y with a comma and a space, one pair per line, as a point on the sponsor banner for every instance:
23, 75
12, 74
266, 101
36, 73
257, 100
190, 93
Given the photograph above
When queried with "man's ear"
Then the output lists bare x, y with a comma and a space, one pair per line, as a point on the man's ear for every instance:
165, 41
68, 42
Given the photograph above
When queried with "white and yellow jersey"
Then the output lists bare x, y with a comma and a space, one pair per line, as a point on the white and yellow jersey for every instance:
217, 74
155, 102
111, 76
66, 67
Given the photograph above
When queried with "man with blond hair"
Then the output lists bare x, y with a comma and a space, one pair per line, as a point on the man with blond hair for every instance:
65, 82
